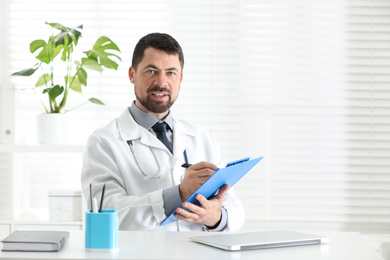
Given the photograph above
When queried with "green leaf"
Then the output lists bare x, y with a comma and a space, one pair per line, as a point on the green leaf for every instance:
63, 38
67, 36
76, 34
27, 72
43, 80
96, 101
35, 45
82, 76
49, 52
75, 84
99, 52
91, 64
54, 92
66, 49
44, 55
57, 26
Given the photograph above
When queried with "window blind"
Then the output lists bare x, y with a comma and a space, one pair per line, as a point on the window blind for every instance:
315, 103
306, 85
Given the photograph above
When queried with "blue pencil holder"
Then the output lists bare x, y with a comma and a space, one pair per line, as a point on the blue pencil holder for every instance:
101, 229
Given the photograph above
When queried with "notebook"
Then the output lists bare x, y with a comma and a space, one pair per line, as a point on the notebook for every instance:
35, 240
259, 240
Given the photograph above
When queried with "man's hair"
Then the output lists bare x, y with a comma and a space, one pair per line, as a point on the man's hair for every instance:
160, 41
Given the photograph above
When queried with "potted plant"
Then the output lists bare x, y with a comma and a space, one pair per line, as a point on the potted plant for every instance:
57, 50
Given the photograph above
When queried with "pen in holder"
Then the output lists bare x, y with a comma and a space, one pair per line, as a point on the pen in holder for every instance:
101, 229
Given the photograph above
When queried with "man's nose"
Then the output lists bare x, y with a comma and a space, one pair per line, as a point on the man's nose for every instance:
161, 80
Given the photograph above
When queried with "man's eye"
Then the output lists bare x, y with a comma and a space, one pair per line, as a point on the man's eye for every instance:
171, 73
151, 71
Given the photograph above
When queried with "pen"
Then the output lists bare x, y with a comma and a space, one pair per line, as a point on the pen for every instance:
102, 198
90, 196
186, 164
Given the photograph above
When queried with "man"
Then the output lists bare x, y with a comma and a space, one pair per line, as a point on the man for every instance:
139, 156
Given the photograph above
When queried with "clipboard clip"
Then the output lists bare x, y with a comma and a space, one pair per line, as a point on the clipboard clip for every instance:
237, 162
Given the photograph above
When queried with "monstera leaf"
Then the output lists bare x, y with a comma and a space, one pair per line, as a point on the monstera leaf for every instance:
100, 53
67, 36
64, 43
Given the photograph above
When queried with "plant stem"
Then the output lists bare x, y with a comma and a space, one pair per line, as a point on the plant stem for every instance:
35, 93
51, 65
67, 85
77, 106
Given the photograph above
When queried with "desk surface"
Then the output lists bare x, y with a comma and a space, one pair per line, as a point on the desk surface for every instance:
176, 245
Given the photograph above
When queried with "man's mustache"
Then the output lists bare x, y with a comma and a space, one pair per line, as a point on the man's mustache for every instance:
159, 89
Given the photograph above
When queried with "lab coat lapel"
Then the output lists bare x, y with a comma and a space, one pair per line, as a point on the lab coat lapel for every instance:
130, 130
181, 137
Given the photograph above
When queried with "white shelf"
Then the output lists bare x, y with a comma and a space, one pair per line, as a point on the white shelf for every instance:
15, 172
37, 220
49, 223
40, 148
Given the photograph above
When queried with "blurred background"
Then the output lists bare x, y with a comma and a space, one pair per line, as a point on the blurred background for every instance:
306, 84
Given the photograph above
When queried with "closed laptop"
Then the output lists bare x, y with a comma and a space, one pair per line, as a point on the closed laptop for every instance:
259, 240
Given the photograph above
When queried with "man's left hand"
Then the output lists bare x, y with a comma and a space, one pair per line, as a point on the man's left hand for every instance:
208, 213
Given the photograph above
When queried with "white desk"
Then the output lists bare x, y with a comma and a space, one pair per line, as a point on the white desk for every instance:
175, 245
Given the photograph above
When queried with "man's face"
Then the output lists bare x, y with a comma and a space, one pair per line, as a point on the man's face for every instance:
156, 82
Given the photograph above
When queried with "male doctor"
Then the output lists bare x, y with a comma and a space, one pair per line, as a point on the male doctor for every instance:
139, 156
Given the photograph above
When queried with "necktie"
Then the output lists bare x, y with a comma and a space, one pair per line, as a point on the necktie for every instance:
160, 130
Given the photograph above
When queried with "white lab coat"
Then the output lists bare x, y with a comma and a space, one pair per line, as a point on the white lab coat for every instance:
108, 159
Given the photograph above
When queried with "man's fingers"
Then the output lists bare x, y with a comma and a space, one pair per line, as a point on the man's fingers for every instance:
202, 200
202, 180
192, 207
204, 165
222, 191
195, 176
186, 215
183, 212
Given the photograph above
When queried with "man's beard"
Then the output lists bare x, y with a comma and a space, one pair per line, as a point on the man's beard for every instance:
153, 105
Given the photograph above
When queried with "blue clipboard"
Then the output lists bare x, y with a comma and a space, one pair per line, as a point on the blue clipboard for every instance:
231, 174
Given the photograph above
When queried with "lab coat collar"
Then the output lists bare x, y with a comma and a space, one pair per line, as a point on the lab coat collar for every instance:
146, 120
130, 130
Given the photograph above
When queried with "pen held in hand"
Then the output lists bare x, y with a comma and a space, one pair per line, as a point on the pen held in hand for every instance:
186, 165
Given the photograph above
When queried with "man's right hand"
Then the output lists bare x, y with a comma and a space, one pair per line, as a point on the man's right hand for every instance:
195, 176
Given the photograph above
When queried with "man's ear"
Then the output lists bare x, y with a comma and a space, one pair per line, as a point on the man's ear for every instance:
131, 74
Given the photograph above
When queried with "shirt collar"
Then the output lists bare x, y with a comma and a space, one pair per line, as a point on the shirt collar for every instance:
147, 121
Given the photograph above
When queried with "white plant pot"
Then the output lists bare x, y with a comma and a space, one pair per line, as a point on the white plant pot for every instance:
52, 128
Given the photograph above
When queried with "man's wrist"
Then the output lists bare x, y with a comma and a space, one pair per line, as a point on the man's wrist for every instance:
217, 224
221, 225
172, 200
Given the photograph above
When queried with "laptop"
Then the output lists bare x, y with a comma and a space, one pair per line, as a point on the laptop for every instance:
259, 240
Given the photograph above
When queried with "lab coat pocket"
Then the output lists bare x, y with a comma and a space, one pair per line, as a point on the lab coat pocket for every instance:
146, 160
